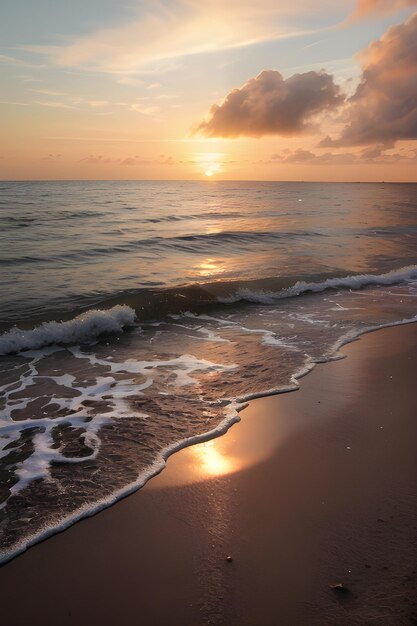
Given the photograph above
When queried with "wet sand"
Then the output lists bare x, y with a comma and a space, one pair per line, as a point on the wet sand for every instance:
311, 489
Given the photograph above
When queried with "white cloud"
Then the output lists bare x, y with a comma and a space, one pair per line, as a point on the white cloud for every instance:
145, 110
163, 30
52, 104
13, 104
49, 92
131, 81
97, 103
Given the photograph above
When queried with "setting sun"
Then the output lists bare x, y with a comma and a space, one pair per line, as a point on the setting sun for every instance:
210, 163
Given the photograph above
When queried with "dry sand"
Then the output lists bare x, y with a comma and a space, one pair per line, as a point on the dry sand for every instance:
310, 489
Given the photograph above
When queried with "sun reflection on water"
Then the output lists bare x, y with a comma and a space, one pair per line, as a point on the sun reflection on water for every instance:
210, 267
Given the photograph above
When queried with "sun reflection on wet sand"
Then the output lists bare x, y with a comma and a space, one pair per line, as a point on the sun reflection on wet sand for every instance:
247, 443
203, 461
211, 461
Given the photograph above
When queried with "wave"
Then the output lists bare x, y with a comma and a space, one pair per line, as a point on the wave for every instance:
81, 329
355, 281
152, 304
190, 243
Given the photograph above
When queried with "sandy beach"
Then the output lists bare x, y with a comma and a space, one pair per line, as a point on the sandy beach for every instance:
311, 489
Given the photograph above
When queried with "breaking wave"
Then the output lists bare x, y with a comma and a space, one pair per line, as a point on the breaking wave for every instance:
81, 329
395, 277
157, 304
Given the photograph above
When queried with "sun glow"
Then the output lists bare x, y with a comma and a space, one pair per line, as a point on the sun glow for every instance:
209, 163
213, 168
211, 460
210, 268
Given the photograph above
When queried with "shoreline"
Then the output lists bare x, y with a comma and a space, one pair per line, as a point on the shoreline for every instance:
188, 572
234, 416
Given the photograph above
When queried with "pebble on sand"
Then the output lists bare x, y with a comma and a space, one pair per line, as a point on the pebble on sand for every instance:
339, 587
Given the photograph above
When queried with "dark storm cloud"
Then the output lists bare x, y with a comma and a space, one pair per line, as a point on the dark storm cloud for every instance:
272, 105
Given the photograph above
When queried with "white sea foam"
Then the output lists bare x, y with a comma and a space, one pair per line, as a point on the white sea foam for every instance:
268, 336
182, 366
87, 510
76, 410
37, 465
394, 277
76, 414
83, 328
208, 334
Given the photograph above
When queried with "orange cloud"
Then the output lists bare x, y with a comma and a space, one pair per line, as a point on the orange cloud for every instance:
367, 7
384, 108
272, 105
136, 160
374, 154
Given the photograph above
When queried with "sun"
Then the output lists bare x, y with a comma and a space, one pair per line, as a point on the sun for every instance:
212, 167
209, 163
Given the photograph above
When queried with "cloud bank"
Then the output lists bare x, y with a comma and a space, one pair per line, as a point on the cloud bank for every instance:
272, 105
368, 155
384, 108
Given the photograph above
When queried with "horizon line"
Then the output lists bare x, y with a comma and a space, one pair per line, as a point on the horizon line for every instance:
199, 180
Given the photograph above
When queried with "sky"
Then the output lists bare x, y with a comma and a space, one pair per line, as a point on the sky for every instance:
193, 89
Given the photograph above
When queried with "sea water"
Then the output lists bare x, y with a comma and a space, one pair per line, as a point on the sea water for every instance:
139, 317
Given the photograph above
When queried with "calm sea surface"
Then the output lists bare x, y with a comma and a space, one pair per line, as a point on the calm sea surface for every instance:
137, 317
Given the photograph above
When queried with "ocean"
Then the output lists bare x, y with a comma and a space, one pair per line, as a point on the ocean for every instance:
138, 317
